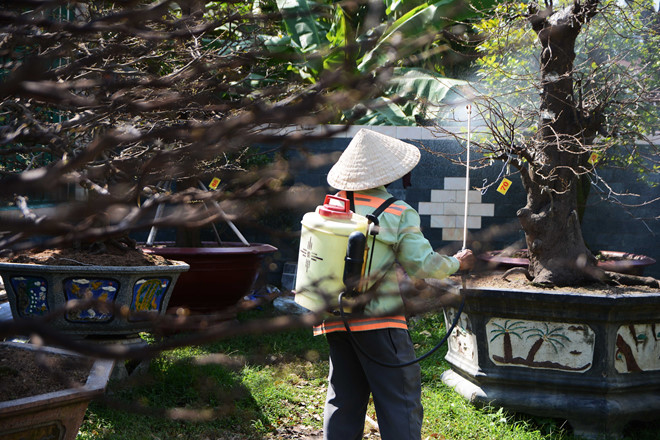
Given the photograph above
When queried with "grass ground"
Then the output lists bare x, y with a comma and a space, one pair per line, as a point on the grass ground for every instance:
272, 386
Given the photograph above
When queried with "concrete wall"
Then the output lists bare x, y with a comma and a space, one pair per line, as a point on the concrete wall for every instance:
437, 192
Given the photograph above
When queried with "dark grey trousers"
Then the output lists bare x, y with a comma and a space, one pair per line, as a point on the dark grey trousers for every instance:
396, 391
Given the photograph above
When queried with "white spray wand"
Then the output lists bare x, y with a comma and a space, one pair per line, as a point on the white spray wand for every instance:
467, 177
467, 188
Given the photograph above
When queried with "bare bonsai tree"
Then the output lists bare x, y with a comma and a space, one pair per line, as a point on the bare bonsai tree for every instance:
119, 100
598, 103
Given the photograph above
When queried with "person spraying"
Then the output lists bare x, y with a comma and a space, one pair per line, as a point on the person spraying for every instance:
371, 162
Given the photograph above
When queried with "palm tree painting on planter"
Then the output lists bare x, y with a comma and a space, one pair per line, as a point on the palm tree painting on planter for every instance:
561, 352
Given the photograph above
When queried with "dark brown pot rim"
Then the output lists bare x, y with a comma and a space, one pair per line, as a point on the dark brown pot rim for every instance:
625, 258
209, 248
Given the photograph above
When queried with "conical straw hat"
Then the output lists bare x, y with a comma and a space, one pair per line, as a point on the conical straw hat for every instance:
372, 159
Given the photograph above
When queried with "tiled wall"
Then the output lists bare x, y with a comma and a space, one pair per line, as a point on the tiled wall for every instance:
447, 209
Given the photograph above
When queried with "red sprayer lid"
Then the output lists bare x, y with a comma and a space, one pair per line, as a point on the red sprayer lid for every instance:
335, 207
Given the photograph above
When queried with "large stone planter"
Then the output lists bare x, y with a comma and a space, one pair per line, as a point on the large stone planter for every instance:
219, 276
591, 359
133, 295
56, 415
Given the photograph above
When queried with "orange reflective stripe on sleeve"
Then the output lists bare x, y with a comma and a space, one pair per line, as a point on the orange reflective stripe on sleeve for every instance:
361, 325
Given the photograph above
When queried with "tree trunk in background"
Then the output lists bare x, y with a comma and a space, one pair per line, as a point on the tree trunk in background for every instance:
558, 254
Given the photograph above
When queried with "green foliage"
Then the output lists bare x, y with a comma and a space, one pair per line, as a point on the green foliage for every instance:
407, 30
627, 57
615, 75
340, 35
419, 22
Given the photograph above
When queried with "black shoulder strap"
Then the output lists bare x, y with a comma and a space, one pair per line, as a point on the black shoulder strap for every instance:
383, 206
351, 199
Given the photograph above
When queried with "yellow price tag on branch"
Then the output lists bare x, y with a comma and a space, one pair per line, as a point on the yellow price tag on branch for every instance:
214, 183
593, 158
504, 186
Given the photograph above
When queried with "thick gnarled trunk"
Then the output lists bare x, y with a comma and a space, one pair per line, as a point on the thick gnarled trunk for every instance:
558, 254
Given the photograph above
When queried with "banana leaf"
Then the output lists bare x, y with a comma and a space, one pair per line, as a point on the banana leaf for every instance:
340, 36
411, 82
415, 23
428, 17
383, 111
425, 92
301, 25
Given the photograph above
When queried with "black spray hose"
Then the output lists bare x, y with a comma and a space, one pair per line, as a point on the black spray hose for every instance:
405, 364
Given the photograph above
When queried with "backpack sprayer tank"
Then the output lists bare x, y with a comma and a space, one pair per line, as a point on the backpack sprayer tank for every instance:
323, 263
